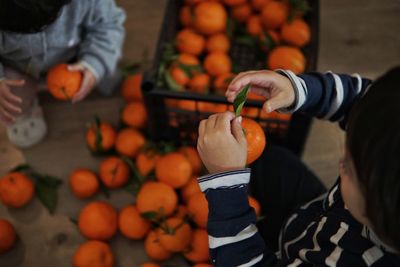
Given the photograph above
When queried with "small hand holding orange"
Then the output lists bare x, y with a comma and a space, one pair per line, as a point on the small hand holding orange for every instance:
88, 82
222, 144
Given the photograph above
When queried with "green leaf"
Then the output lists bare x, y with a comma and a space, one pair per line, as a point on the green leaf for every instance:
73, 220
171, 84
298, 7
21, 168
169, 53
99, 137
190, 69
104, 190
150, 215
268, 42
260, 218
131, 69
247, 40
136, 175
46, 190
132, 187
230, 27
240, 99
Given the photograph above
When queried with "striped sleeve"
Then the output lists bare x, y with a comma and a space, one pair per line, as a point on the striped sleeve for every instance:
327, 96
233, 236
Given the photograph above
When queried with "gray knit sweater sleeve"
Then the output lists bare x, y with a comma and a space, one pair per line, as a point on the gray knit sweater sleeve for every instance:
103, 38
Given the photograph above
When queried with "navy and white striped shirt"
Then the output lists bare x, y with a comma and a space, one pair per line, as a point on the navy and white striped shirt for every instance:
320, 233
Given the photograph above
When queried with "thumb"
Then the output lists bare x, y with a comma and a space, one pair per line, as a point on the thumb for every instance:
237, 130
76, 67
276, 102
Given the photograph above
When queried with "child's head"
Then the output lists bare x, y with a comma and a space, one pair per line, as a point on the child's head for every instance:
371, 168
28, 16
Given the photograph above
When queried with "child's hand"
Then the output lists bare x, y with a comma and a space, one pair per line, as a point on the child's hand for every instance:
10, 104
222, 144
275, 87
88, 81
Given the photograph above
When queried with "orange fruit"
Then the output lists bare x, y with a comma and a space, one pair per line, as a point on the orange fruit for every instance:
179, 75
100, 137
156, 197
255, 137
98, 221
241, 12
154, 249
259, 4
234, 2
202, 265
16, 189
191, 188
187, 104
131, 88
283, 116
218, 43
175, 235
188, 41
217, 63
296, 32
134, 114
251, 112
254, 25
274, 14
254, 96
198, 209
62, 83
83, 183
186, 16
146, 161
188, 59
93, 254
131, 224
8, 237
200, 83
173, 169
210, 18
198, 251
210, 107
193, 2
113, 172
222, 82
287, 57
171, 103
193, 156
150, 264
255, 205
129, 142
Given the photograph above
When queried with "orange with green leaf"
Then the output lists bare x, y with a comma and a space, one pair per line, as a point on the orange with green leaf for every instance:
100, 136
62, 83
113, 172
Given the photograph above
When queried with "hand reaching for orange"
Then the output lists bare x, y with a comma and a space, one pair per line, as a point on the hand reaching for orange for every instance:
275, 87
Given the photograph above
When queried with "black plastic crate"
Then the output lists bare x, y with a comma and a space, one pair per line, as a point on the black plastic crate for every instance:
173, 123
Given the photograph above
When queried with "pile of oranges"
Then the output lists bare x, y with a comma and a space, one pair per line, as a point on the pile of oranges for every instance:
203, 43
168, 212
201, 60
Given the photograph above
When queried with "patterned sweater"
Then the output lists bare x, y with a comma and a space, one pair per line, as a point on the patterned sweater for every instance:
320, 233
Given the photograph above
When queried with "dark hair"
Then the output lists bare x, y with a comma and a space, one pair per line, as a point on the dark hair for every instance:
373, 140
28, 16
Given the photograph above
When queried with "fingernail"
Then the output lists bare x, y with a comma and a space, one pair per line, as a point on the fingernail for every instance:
239, 119
269, 108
